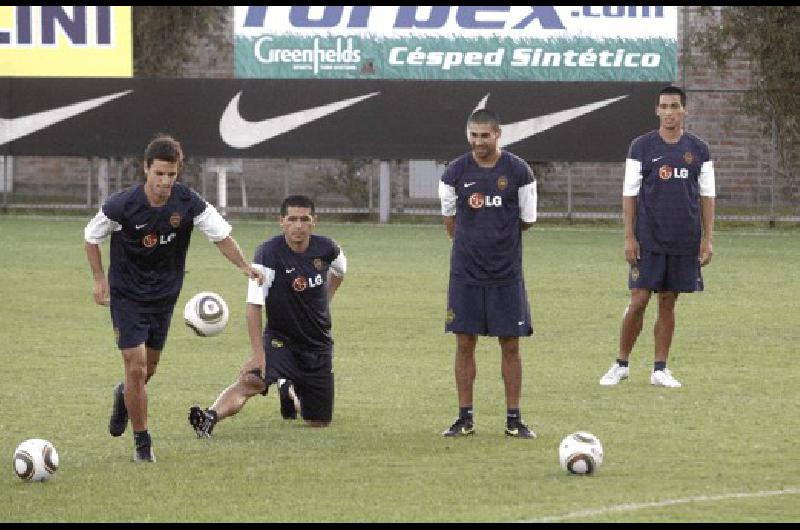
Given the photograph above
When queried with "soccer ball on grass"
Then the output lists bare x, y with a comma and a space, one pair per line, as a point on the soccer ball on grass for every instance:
35, 460
206, 314
580, 453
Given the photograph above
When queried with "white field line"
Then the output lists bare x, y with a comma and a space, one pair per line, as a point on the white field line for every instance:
659, 504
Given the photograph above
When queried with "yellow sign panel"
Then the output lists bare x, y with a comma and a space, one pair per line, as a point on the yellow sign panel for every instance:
66, 41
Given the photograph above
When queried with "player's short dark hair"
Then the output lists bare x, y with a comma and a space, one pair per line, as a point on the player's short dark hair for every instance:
673, 90
485, 116
298, 201
164, 147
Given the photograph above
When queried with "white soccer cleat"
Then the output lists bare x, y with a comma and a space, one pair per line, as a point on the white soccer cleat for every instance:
664, 378
614, 375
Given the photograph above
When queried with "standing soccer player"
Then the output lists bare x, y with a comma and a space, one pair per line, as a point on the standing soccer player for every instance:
150, 226
488, 198
295, 348
668, 210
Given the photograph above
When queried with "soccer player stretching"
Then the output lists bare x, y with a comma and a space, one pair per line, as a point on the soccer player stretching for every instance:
295, 348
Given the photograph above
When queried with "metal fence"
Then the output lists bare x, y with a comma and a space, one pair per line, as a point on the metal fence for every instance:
360, 189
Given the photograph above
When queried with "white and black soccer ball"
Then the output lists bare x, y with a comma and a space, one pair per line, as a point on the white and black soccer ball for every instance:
206, 314
35, 460
580, 453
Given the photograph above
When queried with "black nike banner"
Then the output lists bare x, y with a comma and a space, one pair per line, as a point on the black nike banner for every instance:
376, 119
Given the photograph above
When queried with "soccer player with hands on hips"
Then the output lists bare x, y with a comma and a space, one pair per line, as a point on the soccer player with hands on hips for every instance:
150, 225
668, 211
488, 197
294, 349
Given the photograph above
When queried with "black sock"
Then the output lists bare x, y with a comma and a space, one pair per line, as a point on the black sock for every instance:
512, 415
465, 413
659, 365
141, 438
622, 363
212, 413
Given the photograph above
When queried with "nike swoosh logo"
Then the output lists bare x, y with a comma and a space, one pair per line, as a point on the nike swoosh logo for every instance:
13, 128
289, 271
139, 227
470, 184
241, 134
657, 159
515, 132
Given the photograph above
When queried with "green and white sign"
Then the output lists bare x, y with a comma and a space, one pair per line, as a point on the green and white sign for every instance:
502, 43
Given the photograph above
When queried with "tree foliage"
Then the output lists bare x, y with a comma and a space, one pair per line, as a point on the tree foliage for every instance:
350, 180
163, 36
770, 37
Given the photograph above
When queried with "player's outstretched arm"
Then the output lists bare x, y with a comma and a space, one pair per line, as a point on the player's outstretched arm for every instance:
230, 249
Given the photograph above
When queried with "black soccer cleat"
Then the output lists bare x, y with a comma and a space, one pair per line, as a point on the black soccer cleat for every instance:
461, 427
518, 429
144, 454
202, 421
143, 449
290, 403
119, 413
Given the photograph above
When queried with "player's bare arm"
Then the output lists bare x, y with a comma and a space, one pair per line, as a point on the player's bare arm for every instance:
632, 251
450, 226
254, 331
707, 206
230, 249
334, 282
100, 289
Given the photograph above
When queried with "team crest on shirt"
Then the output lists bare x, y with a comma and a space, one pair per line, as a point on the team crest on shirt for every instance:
665, 172
299, 284
150, 240
502, 183
688, 157
476, 200
450, 316
175, 220
634, 273
318, 264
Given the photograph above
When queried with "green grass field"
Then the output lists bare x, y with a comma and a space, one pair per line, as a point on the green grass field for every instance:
722, 448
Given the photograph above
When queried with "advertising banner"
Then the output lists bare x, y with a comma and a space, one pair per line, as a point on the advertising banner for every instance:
307, 118
65, 41
500, 43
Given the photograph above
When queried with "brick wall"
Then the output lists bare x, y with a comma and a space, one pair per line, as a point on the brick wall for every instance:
741, 150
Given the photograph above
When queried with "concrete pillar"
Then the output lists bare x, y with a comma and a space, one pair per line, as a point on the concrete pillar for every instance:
385, 192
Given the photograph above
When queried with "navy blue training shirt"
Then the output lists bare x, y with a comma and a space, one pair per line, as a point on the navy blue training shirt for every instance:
295, 293
668, 180
149, 244
489, 203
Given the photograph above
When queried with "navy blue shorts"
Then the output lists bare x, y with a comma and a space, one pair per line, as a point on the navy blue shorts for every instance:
666, 272
494, 310
133, 327
311, 372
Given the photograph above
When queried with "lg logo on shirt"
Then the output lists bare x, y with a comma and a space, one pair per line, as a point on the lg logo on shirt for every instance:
151, 240
667, 172
479, 200
300, 284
